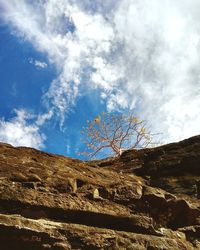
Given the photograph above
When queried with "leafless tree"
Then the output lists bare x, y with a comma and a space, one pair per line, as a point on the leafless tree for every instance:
112, 133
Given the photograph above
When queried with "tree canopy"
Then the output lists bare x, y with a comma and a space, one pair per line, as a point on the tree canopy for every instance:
112, 133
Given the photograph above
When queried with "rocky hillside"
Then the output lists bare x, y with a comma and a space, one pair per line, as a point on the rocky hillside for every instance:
146, 199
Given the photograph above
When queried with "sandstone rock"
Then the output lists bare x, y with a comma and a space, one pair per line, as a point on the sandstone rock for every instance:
145, 199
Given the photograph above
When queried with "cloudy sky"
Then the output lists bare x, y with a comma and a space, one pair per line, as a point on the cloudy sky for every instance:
65, 61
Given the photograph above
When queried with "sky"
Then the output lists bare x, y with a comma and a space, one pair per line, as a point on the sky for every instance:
63, 62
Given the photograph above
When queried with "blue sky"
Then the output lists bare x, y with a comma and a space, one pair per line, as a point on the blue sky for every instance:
28, 75
63, 62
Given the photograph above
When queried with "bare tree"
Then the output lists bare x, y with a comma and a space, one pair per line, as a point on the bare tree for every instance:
112, 133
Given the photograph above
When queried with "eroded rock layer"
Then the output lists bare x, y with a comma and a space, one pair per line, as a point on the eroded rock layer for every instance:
146, 199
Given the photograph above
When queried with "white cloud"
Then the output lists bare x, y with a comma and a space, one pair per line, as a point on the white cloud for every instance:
71, 52
20, 132
139, 54
42, 118
161, 42
38, 64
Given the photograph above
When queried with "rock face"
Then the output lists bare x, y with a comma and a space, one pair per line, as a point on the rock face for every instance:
146, 199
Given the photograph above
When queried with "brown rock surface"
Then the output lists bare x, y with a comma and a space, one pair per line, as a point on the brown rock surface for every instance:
146, 199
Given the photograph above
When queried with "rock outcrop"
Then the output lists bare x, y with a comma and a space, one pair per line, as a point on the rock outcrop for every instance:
145, 199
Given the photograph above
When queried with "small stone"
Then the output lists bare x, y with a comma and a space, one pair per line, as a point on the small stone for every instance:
139, 190
73, 184
61, 246
46, 246
96, 195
